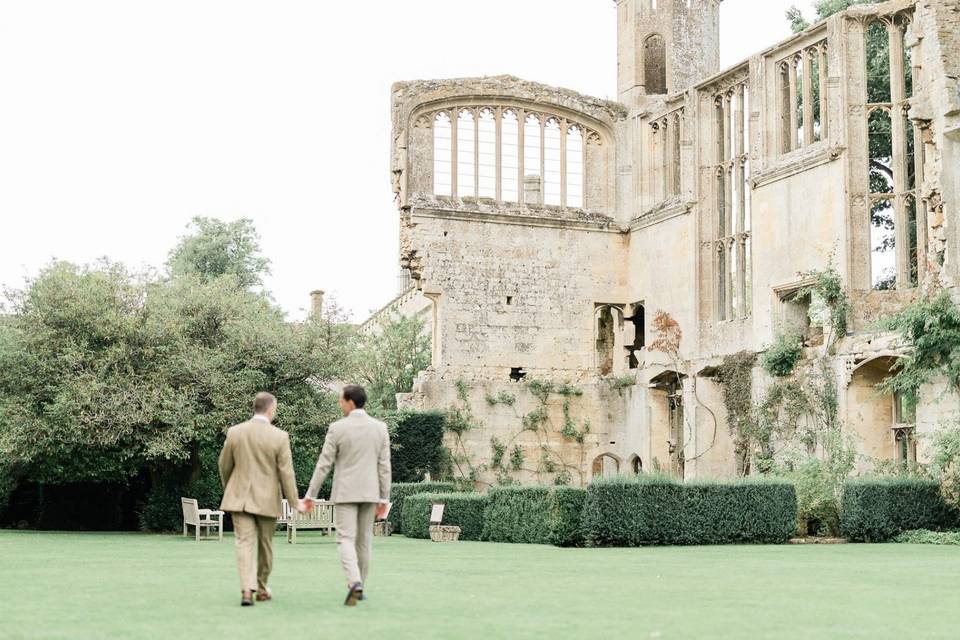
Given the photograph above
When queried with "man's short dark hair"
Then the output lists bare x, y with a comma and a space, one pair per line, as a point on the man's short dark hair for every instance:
356, 393
263, 401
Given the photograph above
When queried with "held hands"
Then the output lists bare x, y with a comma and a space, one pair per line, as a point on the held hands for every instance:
304, 505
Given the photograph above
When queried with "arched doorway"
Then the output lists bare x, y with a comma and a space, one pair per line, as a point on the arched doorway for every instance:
883, 423
636, 465
605, 465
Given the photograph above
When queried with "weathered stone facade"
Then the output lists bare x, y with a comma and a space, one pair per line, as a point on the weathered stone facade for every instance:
545, 229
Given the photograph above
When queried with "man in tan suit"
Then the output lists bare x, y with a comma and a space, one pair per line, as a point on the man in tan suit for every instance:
255, 465
358, 450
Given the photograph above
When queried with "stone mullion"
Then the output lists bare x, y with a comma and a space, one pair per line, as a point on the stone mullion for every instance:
729, 175
564, 125
822, 52
807, 98
728, 264
498, 114
521, 150
543, 159
898, 96
853, 98
720, 264
783, 95
454, 166
741, 241
664, 159
727, 129
794, 124
676, 171
476, 153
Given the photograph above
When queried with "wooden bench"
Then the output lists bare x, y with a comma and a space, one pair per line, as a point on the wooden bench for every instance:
320, 517
201, 519
284, 513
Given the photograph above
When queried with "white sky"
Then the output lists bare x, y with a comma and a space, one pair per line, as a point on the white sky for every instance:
120, 120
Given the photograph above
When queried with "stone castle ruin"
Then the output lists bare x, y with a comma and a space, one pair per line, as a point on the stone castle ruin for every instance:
593, 271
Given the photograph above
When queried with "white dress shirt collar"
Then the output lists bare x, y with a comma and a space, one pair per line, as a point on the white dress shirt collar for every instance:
259, 416
358, 412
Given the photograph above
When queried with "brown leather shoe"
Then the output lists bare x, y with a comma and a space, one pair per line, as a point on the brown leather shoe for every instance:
246, 598
263, 596
354, 595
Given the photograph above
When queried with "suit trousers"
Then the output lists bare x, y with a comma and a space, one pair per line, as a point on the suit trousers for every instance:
254, 546
354, 522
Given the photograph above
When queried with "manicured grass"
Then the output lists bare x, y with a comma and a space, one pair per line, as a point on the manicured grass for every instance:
70, 585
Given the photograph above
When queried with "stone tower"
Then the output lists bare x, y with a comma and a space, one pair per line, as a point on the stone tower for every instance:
665, 46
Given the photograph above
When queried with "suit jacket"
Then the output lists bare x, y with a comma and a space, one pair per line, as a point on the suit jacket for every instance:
358, 450
254, 465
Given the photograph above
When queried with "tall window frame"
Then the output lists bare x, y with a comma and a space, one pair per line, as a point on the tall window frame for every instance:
486, 151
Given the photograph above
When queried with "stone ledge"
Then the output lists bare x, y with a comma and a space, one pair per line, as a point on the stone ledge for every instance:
797, 162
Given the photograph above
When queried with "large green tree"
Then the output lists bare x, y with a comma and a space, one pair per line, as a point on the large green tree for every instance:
213, 248
389, 360
108, 375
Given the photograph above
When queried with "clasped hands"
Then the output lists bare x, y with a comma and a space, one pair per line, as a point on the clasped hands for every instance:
304, 505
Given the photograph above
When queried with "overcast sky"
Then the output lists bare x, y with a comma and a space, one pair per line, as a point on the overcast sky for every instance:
120, 120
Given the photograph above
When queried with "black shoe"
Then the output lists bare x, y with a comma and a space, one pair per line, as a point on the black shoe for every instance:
355, 595
246, 599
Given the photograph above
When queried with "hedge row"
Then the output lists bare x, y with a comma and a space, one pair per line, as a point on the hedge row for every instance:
464, 510
653, 509
877, 509
399, 491
535, 515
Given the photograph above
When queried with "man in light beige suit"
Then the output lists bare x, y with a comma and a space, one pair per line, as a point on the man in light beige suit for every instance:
358, 450
255, 465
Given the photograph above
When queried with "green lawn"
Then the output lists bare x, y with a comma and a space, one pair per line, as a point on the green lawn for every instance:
69, 585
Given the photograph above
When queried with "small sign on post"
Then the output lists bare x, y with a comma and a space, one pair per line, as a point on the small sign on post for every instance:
439, 532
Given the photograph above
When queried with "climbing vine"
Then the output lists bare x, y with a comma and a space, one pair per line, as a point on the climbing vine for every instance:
736, 379
931, 326
508, 458
827, 286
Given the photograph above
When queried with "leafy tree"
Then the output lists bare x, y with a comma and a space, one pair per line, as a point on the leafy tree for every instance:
390, 360
108, 375
213, 248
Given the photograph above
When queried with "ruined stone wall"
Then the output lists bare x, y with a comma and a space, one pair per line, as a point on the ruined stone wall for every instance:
520, 288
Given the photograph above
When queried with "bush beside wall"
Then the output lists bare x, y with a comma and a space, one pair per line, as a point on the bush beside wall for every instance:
877, 509
400, 491
654, 509
535, 515
464, 510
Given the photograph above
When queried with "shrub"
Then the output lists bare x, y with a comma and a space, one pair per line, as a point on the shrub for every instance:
418, 445
399, 491
781, 358
567, 512
655, 509
877, 509
464, 510
535, 515
925, 536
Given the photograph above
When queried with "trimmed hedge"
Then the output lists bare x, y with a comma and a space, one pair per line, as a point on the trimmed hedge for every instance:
535, 515
877, 509
652, 509
400, 491
462, 509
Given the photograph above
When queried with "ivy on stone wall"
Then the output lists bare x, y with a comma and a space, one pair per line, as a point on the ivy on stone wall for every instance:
828, 286
551, 462
736, 379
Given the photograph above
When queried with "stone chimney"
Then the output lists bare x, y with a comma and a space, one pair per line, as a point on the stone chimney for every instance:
316, 302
